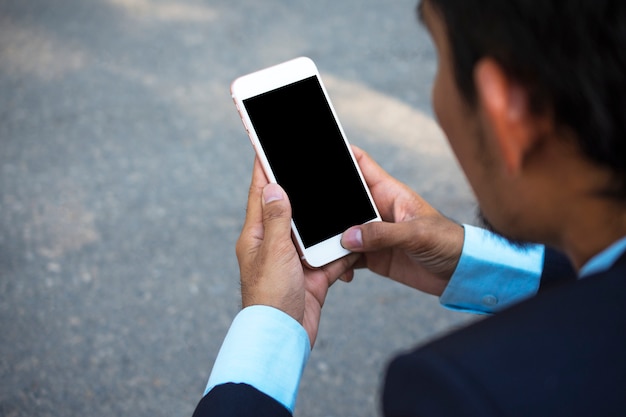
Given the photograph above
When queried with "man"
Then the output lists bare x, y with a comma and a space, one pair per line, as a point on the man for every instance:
532, 98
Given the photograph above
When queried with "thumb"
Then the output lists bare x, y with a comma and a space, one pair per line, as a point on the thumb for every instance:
377, 236
276, 211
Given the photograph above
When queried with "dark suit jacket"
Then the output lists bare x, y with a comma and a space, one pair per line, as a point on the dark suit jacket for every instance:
560, 353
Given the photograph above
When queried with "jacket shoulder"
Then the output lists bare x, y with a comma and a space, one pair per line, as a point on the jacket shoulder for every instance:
559, 353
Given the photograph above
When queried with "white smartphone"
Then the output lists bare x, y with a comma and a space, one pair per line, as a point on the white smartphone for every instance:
301, 145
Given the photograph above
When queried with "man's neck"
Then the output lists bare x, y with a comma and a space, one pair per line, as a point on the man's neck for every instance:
591, 227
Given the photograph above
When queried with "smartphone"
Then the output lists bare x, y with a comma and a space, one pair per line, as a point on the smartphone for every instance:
301, 145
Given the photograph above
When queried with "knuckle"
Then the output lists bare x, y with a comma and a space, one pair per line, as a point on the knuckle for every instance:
276, 211
374, 233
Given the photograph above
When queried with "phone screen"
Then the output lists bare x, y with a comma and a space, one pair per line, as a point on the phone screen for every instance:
310, 160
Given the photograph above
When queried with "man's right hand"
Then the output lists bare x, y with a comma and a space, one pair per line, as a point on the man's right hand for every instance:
414, 244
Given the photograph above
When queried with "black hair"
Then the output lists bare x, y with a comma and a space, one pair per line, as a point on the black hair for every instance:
570, 55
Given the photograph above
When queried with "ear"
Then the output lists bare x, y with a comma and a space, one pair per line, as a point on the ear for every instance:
504, 106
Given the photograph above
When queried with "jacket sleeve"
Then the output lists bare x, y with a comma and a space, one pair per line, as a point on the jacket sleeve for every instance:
239, 400
424, 384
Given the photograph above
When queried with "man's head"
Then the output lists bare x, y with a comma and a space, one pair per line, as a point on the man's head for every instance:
522, 83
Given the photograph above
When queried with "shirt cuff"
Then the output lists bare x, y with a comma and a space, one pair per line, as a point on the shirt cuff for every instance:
492, 274
264, 348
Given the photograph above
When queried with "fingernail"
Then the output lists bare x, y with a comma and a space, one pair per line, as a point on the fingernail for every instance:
272, 192
352, 238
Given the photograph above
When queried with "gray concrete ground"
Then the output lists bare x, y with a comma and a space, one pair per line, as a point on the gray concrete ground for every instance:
123, 179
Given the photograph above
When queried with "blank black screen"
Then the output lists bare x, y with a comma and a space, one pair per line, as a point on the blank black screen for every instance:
310, 160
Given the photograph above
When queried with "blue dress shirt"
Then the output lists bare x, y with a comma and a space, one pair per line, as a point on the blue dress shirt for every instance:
492, 274
268, 349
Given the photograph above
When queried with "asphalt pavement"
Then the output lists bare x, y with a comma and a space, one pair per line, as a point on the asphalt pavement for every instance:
124, 171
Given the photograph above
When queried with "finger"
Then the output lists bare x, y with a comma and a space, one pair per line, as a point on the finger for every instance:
254, 212
377, 236
341, 269
252, 231
276, 215
385, 189
372, 172
361, 263
347, 276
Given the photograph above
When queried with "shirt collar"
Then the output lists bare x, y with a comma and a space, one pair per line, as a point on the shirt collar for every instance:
604, 260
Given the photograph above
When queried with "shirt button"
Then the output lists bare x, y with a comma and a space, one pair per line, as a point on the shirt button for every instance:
490, 300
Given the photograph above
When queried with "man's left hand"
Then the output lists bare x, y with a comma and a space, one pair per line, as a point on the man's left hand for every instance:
272, 273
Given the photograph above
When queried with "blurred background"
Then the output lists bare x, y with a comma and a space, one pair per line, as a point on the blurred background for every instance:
124, 171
